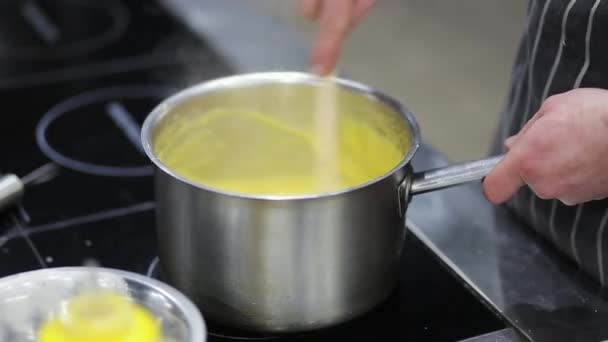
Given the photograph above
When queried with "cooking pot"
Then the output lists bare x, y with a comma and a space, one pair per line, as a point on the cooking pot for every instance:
288, 263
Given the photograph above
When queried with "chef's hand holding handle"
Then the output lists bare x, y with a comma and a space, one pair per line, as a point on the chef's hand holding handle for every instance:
444, 177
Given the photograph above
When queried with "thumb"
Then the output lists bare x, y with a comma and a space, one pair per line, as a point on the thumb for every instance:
504, 181
510, 141
334, 24
361, 9
309, 8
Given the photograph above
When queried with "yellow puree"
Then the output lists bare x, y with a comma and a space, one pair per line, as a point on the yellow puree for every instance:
101, 317
248, 152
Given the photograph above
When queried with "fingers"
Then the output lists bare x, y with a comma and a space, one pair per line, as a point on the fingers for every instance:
309, 8
560, 153
334, 24
361, 9
519, 166
509, 142
336, 18
504, 181
530, 122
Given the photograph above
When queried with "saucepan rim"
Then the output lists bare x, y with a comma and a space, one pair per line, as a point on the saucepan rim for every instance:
287, 77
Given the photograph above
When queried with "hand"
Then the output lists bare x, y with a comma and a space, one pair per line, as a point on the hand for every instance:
561, 153
336, 18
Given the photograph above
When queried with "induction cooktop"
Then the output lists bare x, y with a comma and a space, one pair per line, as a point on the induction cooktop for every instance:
77, 79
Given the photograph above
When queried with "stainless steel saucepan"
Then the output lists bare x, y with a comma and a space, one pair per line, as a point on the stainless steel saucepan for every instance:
289, 263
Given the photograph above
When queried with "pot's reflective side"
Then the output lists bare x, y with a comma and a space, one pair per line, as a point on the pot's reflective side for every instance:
280, 265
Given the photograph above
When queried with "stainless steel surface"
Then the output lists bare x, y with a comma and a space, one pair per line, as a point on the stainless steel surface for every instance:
41, 175
277, 263
12, 187
505, 335
452, 175
442, 178
539, 292
29, 297
11, 190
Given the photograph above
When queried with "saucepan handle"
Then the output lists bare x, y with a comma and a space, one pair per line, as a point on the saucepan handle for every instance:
452, 175
443, 177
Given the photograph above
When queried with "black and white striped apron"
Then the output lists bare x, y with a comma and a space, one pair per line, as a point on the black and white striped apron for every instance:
565, 46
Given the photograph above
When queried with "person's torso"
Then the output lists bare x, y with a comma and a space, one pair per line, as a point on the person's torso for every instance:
565, 46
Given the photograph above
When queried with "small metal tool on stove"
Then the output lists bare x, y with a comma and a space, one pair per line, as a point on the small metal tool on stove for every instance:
12, 188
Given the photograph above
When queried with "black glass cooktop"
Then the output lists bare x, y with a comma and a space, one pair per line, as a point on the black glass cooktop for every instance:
77, 78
